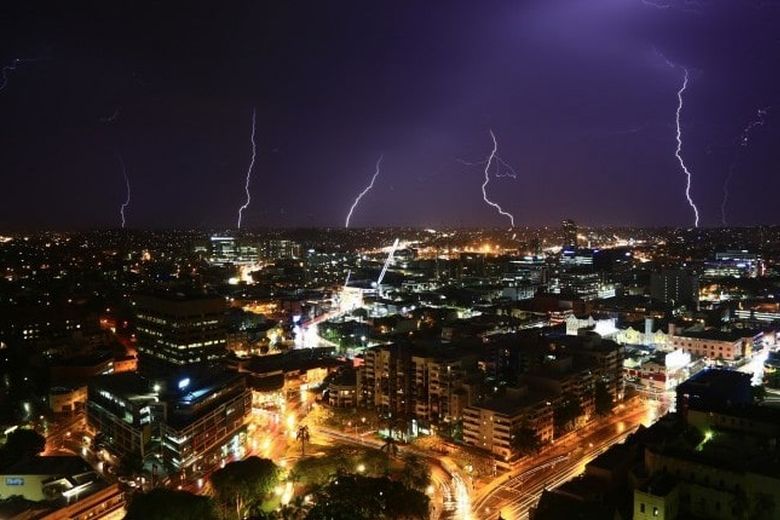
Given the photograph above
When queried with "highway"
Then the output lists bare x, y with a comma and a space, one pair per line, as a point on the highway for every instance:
513, 495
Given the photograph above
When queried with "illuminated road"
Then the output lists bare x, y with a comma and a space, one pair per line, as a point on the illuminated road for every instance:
450, 497
756, 367
513, 496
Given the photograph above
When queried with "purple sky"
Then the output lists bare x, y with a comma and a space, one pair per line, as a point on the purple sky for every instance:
580, 100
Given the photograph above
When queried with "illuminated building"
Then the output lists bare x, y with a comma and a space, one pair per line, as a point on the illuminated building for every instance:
196, 418
759, 312
675, 287
226, 250
429, 385
716, 344
281, 250
180, 330
490, 425
734, 264
660, 372
67, 400
206, 420
124, 409
569, 233
62, 488
342, 390
289, 372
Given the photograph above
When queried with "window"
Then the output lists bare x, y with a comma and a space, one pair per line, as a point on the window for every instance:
642, 508
655, 511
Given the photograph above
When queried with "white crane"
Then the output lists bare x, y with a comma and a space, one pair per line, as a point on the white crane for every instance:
384, 267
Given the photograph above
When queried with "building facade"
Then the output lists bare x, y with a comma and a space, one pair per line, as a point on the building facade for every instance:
179, 330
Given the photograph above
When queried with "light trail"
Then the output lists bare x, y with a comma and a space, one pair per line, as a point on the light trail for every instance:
249, 171
126, 203
744, 140
365, 190
489, 202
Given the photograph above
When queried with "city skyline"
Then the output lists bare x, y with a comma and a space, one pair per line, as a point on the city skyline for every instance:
580, 95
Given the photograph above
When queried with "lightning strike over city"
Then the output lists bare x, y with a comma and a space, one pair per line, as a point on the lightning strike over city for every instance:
365, 190
678, 150
126, 203
249, 170
744, 141
489, 202
429, 354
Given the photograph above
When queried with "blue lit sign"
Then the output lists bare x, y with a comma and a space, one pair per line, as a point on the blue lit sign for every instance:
14, 481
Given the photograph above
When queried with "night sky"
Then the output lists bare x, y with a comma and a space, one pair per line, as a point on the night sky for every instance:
578, 93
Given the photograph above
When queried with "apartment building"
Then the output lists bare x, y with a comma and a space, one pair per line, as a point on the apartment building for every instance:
490, 425
432, 384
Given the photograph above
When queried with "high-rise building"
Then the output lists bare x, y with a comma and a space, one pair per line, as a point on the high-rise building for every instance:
180, 330
227, 250
675, 287
282, 250
569, 233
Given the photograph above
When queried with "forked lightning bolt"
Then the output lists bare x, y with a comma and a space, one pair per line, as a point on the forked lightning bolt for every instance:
744, 140
365, 190
10, 68
249, 171
126, 203
678, 151
489, 202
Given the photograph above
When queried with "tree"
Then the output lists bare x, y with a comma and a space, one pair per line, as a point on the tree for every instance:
303, 436
131, 464
525, 440
603, 399
415, 474
355, 497
567, 411
759, 393
22, 444
763, 507
167, 504
243, 484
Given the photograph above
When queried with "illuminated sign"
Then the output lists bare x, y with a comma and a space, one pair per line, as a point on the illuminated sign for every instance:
14, 481
184, 383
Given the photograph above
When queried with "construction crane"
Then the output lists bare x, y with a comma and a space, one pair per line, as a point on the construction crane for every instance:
382, 274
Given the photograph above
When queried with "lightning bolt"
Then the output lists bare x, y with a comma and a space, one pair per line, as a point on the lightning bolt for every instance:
508, 170
365, 190
489, 161
112, 117
744, 140
10, 68
126, 203
678, 151
249, 171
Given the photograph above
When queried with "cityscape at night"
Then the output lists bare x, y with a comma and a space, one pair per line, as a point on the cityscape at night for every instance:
390, 260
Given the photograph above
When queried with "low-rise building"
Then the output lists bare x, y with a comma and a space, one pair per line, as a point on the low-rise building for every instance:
715, 344
63, 488
195, 419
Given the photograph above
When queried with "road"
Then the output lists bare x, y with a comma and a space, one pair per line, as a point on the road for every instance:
515, 493
450, 497
755, 366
